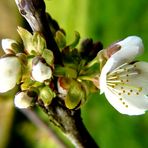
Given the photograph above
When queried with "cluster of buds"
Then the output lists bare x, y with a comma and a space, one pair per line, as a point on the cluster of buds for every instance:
81, 72
29, 66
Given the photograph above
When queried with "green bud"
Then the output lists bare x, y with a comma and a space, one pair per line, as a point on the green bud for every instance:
60, 39
76, 40
48, 56
75, 94
46, 95
33, 44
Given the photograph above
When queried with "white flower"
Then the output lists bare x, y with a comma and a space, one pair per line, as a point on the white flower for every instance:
7, 45
22, 100
125, 84
10, 73
41, 72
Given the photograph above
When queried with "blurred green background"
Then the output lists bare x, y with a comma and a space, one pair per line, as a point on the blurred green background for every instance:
103, 20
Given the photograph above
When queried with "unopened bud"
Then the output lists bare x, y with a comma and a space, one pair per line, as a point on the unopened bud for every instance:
10, 73
23, 100
40, 71
7, 45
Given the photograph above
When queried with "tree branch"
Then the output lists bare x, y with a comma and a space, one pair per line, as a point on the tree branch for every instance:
69, 121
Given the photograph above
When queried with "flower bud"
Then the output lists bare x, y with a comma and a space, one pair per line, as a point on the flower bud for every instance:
46, 95
7, 45
23, 100
10, 73
63, 85
40, 71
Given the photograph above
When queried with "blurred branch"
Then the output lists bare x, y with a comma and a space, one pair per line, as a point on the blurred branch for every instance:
69, 121
41, 125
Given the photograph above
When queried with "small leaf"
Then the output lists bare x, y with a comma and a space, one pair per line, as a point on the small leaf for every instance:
33, 43
27, 39
46, 95
60, 39
76, 40
48, 56
75, 94
38, 42
65, 72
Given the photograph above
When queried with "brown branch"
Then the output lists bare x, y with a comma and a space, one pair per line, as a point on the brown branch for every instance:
69, 121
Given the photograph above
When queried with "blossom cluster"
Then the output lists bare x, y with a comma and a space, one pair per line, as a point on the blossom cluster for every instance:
29, 67
114, 71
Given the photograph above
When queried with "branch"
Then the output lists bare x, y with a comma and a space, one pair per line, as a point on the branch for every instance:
69, 121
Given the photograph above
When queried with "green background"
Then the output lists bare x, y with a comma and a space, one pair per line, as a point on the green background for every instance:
103, 20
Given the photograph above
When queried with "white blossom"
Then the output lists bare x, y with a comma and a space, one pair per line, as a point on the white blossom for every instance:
22, 100
10, 73
7, 45
125, 83
41, 72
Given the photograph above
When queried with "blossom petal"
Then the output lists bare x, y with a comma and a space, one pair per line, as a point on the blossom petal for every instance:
131, 95
7, 45
130, 48
10, 73
121, 106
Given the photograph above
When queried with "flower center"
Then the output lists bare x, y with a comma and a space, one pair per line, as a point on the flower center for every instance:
119, 81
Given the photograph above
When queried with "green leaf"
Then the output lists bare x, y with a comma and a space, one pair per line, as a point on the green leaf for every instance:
76, 93
76, 40
65, 72
60, 39
27, 39
32, 43
48, 56
38, 42
46, 95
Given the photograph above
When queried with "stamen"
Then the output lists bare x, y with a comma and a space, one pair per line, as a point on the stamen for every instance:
129, 74
123, 68
112, 77
114, 81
